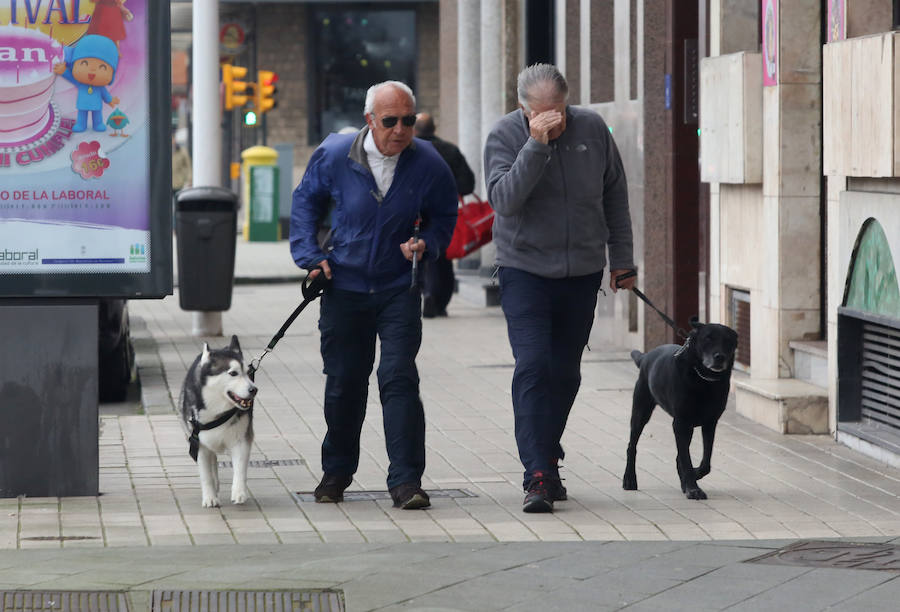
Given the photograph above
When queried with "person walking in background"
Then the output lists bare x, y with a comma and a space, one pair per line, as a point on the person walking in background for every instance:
379, 182
557, 185
438, 279
182, 171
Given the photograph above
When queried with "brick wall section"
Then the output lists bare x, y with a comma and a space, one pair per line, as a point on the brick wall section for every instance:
282, 47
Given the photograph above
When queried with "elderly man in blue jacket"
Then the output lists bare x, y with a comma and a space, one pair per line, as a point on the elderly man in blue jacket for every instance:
374, 185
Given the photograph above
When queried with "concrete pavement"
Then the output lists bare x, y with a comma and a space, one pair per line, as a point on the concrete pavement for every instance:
474, 549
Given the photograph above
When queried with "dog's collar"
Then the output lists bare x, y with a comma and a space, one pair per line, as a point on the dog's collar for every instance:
706, 377
194, 439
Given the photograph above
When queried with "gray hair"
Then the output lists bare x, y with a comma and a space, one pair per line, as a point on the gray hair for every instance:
541, 75
370, 94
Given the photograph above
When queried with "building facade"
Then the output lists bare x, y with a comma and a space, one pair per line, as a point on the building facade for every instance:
799, 148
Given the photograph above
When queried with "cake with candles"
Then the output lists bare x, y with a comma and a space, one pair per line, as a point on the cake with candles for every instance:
26, 84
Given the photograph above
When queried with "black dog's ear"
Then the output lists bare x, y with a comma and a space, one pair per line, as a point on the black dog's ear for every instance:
695, 322
235, 345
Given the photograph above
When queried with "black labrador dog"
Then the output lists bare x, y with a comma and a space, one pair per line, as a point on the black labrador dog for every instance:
691, 382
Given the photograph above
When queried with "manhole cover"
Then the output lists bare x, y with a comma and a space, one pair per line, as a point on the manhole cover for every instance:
848, 555
74, 601
247, 601
263, 463
307, 496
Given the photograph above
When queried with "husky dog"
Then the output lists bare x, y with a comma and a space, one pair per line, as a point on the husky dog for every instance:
217, 415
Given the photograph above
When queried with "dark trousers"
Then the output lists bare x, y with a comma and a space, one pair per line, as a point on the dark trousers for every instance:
548, 321
438, 281
349, 322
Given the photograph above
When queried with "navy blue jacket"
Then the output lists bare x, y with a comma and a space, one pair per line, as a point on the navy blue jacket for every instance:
368, 227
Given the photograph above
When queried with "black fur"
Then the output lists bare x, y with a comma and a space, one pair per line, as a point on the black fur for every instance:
691, 383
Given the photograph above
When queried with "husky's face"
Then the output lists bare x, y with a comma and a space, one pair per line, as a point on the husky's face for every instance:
222, 372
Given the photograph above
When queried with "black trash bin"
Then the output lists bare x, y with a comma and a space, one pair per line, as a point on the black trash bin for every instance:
206, 229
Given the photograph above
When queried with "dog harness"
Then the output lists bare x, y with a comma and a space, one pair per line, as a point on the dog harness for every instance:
194, 439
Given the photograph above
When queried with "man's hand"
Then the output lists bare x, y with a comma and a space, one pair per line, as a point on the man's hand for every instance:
114, 101
325, 267
542, 123
59, 68
628, 283
413, 246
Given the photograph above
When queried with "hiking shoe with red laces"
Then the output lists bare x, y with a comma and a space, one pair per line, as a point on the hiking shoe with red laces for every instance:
538, 497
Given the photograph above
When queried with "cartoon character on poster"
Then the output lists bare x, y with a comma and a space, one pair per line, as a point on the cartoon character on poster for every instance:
109, 19
91, 65
118, 121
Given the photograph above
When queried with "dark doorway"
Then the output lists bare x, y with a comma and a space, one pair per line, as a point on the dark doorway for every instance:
352, 49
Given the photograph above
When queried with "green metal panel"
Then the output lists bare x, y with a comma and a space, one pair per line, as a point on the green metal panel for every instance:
872, 283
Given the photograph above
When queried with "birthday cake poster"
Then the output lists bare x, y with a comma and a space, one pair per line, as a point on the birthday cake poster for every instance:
74, 142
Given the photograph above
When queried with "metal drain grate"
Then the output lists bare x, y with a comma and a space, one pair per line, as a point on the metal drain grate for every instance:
58, 538
847, 555
264, 463
247, 601
307, 496
74, 601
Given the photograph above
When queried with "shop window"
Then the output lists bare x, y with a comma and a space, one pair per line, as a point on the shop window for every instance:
352, 49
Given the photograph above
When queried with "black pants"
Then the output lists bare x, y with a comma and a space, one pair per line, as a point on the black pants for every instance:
549, 322
349, 323
438, 285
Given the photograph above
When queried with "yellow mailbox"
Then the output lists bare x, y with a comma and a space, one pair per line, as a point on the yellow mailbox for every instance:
259, 176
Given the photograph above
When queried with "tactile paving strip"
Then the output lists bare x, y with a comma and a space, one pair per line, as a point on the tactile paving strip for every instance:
847, 555
65, 601
247, 601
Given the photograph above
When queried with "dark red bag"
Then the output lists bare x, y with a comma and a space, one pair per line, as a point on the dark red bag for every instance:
474, 224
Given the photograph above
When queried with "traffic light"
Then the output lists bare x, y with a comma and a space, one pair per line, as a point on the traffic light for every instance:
250, 118
235, 89
265, 91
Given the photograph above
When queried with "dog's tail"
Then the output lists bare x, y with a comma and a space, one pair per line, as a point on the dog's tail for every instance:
636, 356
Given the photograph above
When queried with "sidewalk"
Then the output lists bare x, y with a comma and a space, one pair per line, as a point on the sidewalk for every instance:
604, 549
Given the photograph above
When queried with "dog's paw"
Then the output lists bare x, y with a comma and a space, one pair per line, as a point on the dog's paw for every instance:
210, 502
695, 493
629, 482
239, 496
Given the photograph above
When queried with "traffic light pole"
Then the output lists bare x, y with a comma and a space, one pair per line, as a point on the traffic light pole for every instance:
207, 119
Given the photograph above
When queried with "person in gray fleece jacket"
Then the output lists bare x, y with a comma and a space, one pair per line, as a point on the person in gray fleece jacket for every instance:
555, 180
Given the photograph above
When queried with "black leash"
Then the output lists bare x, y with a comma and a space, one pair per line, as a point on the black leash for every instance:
683, 334
311, 289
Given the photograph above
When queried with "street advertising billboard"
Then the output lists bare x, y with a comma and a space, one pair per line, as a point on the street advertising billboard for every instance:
85, 148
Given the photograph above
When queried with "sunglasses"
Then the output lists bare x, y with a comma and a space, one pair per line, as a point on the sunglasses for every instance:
406, 120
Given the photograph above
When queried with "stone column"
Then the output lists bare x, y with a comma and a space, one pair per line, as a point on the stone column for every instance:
492, 95
788, 305
469, 117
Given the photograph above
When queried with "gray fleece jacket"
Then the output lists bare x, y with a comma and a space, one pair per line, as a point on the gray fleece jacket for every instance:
558, 206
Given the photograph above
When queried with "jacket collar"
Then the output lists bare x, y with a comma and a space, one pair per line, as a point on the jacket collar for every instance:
358, 152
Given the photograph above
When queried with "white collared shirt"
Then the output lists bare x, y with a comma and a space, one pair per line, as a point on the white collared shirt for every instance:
382, 166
